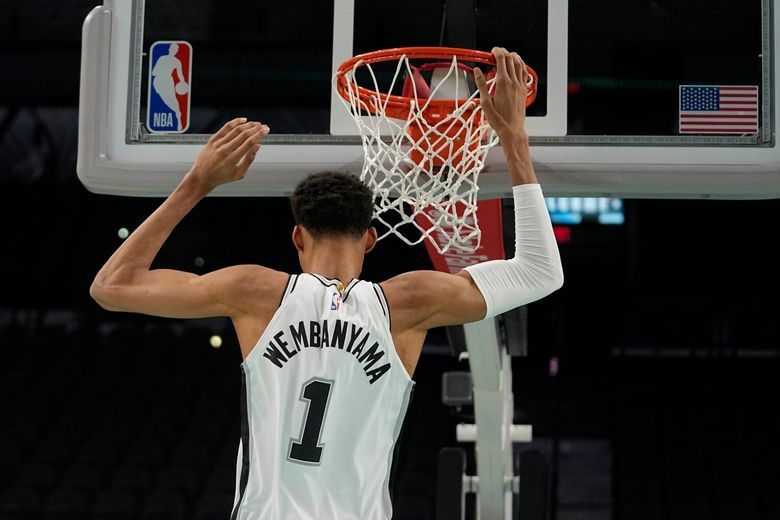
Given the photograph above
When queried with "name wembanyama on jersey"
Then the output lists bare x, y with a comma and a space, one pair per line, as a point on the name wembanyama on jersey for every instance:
287, 343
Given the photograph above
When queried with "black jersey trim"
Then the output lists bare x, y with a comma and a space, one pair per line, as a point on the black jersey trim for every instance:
393, 476
324, 281
244, 446
385, 305
381, 303
330, 283
349, 288
295, 282
284, 293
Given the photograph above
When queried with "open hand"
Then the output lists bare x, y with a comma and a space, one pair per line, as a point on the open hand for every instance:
229, 153
505, 109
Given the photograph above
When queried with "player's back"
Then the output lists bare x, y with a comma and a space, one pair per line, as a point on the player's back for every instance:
323, 400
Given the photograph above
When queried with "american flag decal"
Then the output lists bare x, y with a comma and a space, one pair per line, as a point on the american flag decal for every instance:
718, 109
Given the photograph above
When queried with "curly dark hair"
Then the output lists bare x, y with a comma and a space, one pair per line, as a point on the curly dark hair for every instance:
333, 204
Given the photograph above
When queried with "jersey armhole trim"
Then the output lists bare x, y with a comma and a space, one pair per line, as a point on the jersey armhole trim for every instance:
386, 309
380, 295
286, 287
245, 445
294, 283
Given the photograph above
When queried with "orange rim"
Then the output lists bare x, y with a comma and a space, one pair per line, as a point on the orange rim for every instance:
400, 104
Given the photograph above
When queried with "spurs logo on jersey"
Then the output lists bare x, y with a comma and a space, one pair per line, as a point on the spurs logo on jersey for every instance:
324, 397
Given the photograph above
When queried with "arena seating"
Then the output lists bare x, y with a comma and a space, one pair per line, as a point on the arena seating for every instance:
139, 420
696, 439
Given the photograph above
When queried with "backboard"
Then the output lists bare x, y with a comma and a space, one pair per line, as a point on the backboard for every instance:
619, 84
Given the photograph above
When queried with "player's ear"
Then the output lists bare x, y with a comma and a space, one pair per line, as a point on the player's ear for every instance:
371, 238
297, 238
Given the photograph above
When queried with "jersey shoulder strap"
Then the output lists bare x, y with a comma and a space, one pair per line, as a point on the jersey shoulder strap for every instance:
292, 283
380, 295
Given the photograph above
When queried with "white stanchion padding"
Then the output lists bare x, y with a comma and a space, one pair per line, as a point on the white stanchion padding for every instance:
491, 374
471, 484
518, 433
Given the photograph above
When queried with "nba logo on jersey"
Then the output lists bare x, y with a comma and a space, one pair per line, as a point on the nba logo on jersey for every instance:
170, 70
335, 302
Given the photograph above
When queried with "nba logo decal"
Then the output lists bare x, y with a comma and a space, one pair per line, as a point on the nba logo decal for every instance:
170, 74
335, 302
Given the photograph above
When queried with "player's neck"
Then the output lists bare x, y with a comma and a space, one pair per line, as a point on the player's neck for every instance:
341, 259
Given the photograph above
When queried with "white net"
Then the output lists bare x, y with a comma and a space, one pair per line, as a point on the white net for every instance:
422, 160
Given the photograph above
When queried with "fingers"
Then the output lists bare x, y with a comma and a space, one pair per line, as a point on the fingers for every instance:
245, 142
485, 99
521, 73
246, 161
500, 53
507, 65
511, 71
235, 139
227, 128
510, 66
236, 136
481, 82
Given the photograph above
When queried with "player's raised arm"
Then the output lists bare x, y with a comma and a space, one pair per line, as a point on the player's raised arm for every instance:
127, 283
424, 299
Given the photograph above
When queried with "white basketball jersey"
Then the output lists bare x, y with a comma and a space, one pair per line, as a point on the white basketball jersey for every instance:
324, 398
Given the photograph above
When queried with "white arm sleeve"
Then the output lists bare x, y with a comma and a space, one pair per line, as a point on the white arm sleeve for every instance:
535, 271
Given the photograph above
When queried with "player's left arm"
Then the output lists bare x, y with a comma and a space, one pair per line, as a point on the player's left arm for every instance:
421, 300
127, 283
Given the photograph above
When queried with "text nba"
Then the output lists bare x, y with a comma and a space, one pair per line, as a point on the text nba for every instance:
164, 120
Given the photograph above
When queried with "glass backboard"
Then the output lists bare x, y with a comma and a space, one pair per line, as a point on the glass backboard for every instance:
618, 82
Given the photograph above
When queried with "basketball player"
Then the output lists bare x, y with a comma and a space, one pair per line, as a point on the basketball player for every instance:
328, 358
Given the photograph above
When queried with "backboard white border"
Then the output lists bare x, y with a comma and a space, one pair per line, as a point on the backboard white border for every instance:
110, 160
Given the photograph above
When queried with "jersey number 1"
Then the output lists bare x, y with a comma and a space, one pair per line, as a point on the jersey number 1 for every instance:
307, 449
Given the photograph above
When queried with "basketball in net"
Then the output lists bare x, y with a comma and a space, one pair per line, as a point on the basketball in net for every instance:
424, 137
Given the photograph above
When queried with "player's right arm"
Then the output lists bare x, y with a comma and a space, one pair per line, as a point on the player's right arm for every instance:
127, 282
422, 300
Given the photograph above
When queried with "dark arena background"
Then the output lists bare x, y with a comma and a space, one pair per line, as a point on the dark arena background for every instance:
652, 377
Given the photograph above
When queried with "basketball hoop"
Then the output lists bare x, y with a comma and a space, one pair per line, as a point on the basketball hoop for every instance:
425, 148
